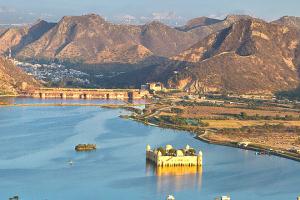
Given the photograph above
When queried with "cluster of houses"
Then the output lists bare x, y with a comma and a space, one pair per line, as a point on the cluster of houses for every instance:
154, 87
52, 72
295, 150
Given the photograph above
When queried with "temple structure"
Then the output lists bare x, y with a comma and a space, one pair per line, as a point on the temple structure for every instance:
169, 156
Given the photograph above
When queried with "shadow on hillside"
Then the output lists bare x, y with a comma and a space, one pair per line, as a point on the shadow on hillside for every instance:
293, 94
117, 75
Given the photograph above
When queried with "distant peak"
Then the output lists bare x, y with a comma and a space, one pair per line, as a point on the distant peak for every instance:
40, 22
92, 16
155, 23
289, 18
290, 21
237, 17
82, 21
200, 21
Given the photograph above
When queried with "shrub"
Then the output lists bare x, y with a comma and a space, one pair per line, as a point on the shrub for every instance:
176, 110
162, 150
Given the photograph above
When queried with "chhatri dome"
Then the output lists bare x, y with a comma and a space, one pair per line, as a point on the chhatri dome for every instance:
200, 153
148, 148
159, 153
179, 153
187, 147
169, 147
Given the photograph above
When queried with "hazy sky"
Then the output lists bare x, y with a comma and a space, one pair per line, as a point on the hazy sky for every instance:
22, 11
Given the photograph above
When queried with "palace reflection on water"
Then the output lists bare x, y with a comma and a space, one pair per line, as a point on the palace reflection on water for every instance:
175, 179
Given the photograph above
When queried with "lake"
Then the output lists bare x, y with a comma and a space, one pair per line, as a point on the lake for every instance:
37, 143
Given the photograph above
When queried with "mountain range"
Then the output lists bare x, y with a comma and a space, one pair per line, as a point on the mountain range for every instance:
239, 54
92, 40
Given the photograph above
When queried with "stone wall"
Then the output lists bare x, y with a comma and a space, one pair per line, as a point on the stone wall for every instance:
74, 93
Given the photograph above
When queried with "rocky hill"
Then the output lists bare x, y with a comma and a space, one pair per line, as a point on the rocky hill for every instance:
33, 33
204, 26
11, 78
250, 56
199, 22
92, 40
239, 54
11, 37
289, 21
2, 29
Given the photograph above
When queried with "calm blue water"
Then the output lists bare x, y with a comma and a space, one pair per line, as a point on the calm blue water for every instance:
36, 144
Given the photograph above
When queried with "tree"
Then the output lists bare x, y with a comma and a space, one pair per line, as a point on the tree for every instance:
172, 152
191, 152
243, 115
162, 150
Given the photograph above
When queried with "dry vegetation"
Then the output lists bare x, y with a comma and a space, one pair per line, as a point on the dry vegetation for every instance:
209, 111
275, 136
219, 124
268, 125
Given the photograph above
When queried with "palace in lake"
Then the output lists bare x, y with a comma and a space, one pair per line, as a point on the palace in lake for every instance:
169, 156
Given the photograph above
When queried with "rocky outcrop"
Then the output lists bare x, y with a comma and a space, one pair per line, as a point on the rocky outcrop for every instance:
12, 77
33, 33
290, 21
250, 56
11, 37
92, 40
199, 22
203, 26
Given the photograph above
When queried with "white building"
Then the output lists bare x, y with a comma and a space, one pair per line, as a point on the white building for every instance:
223, 198
171, 157
170, 197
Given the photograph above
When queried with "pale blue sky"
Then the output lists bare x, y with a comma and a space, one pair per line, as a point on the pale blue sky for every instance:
29, 10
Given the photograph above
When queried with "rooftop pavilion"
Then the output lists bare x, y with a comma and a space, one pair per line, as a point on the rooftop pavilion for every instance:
170, 156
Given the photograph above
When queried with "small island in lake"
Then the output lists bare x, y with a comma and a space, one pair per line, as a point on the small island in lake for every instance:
85, 147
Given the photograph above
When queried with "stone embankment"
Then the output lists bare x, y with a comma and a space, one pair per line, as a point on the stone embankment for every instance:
79, 93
